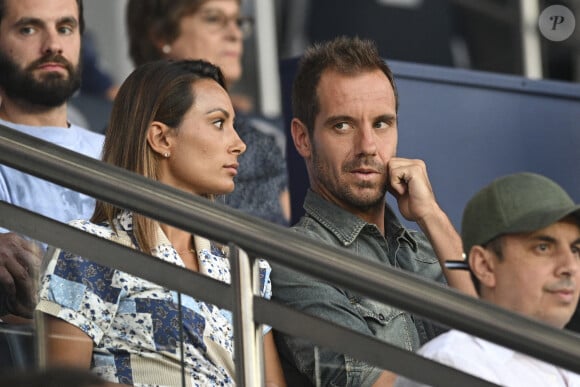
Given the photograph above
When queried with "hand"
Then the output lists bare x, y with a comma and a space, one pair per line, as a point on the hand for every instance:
19, 263
409, 184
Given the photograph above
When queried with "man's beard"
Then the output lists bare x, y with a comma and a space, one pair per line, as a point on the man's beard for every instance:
51, 91
345, 192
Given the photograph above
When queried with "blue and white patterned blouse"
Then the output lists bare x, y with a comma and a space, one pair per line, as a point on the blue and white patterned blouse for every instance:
134, 323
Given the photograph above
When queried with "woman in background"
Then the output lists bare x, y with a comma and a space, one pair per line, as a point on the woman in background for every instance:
171, 122
213, 30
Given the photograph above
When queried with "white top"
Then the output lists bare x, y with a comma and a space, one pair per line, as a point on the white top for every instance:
41, 196
492, 362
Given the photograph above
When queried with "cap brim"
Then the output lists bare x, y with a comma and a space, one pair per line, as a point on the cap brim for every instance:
537, 221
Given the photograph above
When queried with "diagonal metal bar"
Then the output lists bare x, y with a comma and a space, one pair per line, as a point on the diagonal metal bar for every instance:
261, 238
360, 346
111, 254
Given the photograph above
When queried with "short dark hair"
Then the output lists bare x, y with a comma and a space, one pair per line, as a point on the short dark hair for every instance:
161, 91
343, 54
148, 20
79, 3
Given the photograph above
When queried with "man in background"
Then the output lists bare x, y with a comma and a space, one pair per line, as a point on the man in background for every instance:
40, 44
522, 238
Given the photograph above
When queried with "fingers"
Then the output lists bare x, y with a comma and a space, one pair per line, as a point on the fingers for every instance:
19, 262
405, 174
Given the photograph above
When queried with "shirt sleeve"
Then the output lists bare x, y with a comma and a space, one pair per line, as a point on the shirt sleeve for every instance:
305, 294
79, 292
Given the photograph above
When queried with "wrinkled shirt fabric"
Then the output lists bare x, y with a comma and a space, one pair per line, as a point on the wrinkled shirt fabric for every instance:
492, 362
402, 248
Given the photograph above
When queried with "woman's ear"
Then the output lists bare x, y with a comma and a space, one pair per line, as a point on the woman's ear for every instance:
160, 138
482, 264
301, 138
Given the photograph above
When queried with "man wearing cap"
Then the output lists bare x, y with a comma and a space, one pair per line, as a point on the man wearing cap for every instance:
521, 235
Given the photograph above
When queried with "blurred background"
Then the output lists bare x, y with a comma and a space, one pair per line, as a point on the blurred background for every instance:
500, 36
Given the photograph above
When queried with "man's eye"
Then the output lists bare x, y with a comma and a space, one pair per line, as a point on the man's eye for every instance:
27, 30
542, 247
381, 125
65, 30
341, 126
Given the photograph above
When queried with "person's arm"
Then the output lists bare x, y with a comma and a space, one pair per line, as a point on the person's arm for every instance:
19, 263
273, 368
387, 379
285, 204
321, 300
409, 184
68, 346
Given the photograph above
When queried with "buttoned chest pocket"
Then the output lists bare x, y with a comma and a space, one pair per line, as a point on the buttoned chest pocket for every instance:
392, 325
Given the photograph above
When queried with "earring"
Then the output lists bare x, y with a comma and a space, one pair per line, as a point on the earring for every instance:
166, 155
166, 49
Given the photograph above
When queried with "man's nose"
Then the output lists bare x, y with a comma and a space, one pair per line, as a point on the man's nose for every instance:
367, 140
52, 42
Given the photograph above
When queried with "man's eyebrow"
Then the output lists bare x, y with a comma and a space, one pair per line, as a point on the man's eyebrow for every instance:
334, 119
26, 21
386, 117
68, 20
544, 238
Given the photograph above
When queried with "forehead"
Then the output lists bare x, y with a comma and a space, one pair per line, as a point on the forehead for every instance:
40, 9
224, 5
566, 231
369, 90
209, 95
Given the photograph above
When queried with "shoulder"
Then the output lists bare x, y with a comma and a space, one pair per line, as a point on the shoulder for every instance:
464, 352
101, 230
89, 143
445, 343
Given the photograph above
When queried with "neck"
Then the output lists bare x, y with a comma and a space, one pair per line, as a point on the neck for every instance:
181, 240
20, 112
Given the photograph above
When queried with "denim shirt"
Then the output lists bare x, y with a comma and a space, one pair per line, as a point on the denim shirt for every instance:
402, 248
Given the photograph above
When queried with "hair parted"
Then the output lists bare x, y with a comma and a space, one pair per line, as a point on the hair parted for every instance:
346, 55
157, 91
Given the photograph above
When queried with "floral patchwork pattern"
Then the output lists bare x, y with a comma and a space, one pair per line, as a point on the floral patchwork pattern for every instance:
134, 322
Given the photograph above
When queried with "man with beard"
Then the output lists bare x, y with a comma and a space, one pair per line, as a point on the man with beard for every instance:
39, 71
522, 239
345, 128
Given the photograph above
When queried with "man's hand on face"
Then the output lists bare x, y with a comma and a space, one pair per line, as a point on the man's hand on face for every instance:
19, 263
409, 184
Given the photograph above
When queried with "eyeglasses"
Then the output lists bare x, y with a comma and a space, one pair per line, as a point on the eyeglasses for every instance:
217, 21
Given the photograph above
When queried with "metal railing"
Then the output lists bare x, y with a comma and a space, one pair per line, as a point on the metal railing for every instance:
258, 238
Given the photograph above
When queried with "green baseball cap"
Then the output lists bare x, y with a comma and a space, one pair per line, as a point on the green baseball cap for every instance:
518, 203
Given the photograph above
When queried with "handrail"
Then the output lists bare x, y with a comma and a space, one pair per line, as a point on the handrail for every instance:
287, 320
261, 238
